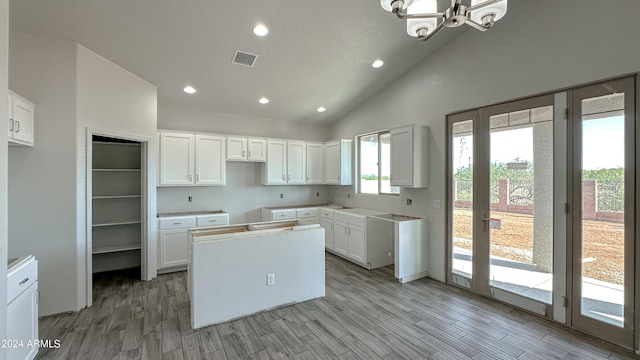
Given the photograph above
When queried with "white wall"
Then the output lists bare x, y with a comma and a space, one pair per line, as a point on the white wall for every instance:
243, 196
113, 101
538, 46
4, 84
42, 179
199, 121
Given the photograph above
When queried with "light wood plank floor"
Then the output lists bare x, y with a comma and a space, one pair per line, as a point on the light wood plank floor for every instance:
364, 315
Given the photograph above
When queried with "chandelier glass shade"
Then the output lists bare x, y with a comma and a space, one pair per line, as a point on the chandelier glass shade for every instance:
424, 20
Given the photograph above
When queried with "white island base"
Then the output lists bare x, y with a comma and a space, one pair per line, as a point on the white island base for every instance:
229, 268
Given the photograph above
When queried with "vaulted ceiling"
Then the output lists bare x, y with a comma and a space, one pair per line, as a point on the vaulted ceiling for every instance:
317, 52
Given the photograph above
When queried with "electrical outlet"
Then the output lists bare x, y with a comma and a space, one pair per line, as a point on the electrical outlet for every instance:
190, 198
436, 204
409, 201
281, 196
271, 279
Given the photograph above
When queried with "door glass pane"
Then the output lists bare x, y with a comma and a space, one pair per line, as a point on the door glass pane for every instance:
385, 166
603, 193
521, 215
462, 197
369, 164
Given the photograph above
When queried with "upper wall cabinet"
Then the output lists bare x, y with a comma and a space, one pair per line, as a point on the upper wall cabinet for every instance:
409, 156
338, 162
246, 149
286, 163
188, 159
21, 112
315, 163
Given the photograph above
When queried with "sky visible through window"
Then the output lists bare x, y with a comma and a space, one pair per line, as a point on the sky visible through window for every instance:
603, 149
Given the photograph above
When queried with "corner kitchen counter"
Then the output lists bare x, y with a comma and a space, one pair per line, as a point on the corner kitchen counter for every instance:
239, 270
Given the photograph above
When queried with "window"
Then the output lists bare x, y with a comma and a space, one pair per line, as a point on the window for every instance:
374, 153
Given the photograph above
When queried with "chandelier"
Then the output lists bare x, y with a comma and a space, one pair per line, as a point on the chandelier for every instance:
424, 20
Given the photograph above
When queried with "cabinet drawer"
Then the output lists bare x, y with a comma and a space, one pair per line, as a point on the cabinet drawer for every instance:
212, 220
307, 213
182, 222
20, 279
326, 214
283, 214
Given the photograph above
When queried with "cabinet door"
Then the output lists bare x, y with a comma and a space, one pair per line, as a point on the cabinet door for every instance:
236, 149
210, 160
332, 163
10, 118
22, 121
296, 161
276, 170
22, 323
173, 248
257, 150
315, 163
340, 238
356, 243
176, 159
402, 156
328, 233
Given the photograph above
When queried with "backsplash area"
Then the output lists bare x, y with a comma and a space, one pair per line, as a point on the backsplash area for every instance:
242, 197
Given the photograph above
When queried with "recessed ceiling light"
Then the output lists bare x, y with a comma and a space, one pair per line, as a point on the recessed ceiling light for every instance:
260, 30
321, 109
189, 90
377, 63
263, 100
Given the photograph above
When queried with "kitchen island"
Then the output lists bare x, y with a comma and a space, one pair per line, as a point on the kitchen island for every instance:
239, 270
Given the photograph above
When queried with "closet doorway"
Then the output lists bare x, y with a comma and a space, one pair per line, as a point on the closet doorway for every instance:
116, 206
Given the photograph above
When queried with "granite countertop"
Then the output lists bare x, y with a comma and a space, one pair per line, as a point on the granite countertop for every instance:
188, 213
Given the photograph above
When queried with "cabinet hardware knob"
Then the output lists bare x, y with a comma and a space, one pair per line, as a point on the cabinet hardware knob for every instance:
213, 220
23, 281
10, 124
17, 126
198, 177
177, 223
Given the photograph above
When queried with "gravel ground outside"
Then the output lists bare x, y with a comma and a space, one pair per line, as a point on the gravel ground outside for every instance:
603, 246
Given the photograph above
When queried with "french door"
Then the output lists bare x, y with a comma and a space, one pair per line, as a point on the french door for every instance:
603, 217
501, 201
542, 206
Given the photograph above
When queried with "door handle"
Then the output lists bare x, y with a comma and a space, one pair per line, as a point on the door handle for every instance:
17, 126
10, 124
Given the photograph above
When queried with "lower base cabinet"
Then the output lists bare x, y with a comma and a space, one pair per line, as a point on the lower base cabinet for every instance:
355, 236
173, 238
340, 238
327, 225
22, 311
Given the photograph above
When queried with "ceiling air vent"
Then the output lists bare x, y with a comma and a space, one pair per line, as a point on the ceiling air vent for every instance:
244, 58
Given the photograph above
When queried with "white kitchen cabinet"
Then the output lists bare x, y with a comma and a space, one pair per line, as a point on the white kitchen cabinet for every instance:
173, 240
286, 163
338, 162
246, 149
315, 163
409, 156
22, 309
275, 170
177, 158
296, 162
356, 246
173, 237
21, 120
210, 160
326, 221
340, 238
188, 159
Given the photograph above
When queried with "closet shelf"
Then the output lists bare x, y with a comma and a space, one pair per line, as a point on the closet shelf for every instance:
115, 248
116, 223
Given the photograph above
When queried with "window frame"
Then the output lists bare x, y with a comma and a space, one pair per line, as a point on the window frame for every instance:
358, 140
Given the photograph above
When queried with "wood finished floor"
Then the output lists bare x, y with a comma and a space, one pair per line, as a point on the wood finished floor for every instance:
364, 315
